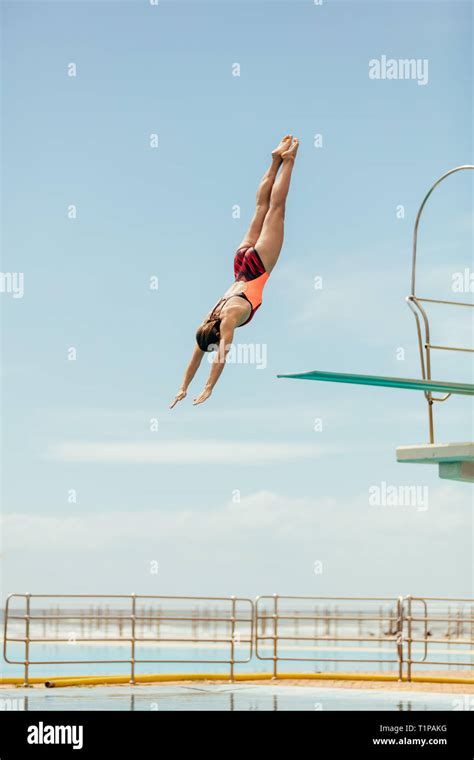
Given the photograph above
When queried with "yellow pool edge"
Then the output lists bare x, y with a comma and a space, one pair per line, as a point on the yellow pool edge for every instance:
57, 682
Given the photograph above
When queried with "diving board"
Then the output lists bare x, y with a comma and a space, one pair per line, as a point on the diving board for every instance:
455, 460
432, 386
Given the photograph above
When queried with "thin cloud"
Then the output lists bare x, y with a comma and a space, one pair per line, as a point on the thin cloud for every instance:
185, 452
260, 516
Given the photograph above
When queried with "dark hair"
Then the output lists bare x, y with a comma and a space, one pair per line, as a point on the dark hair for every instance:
208, 335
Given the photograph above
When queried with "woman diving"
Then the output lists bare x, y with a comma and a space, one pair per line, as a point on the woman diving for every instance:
255, 258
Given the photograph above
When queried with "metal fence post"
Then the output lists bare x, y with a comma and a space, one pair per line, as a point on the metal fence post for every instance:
275, 635
133, 619
409, 638
232, 641
400, 637
27, 638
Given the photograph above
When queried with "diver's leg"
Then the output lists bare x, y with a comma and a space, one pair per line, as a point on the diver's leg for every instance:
270, 241
263, 195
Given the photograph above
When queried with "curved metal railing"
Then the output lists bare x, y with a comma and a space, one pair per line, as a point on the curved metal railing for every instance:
415, 302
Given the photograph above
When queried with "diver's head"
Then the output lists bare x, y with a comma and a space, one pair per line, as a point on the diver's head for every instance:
208, 335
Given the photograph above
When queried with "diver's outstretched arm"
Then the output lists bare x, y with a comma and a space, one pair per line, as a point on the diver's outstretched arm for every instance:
191, 370
225, 343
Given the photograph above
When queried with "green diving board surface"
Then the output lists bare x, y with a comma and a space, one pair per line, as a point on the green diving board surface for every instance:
435, 386
455, 460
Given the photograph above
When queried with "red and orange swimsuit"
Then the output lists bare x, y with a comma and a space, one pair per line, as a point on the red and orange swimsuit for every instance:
248, 268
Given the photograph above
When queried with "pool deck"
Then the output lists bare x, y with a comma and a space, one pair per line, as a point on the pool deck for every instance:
439, 688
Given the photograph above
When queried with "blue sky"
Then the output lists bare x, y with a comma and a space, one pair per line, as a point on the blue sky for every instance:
172, 495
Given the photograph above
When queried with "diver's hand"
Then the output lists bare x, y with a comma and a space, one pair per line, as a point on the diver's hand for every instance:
202, 396
179, 397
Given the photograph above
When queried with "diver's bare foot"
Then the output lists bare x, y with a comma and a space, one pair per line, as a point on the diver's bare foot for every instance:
285, 143
292, 151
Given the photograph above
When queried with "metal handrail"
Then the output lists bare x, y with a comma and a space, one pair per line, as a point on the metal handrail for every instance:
277, 636
414, 302
403, 629
232, 619
411, 638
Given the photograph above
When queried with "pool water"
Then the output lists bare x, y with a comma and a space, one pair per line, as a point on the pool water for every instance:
225, 697
205, 659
